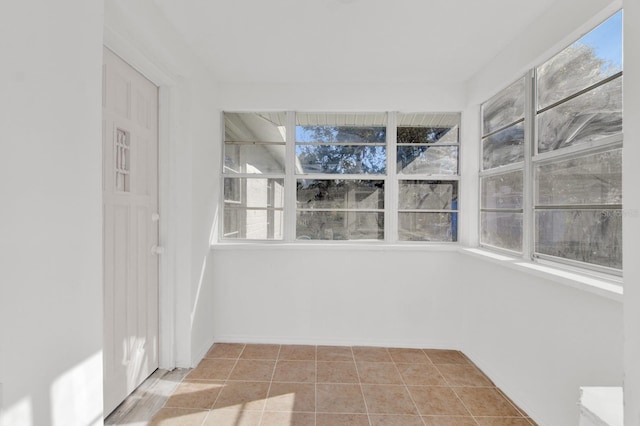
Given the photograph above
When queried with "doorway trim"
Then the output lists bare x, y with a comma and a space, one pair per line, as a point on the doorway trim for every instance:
166, 81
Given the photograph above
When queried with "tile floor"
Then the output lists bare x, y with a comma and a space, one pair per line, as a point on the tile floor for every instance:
288, 385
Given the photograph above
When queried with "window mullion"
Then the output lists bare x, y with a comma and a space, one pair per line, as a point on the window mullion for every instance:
391, 182
528, 223
290, 179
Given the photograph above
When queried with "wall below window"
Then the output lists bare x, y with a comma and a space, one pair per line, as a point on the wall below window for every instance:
539, 340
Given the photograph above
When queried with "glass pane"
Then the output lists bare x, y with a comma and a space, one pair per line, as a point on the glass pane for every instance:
428, 195
504, 147
339, 225
253, 158
503, 109
255, 224
428, 226
591, 236
428, 128
341, 159
255, 126
593, 58
592, 179
337, 127
503, 230
340, 194
588, 117
502, 191
250, 192
430, 160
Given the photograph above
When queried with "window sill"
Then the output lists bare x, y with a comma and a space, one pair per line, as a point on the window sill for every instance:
333, 246
610, 289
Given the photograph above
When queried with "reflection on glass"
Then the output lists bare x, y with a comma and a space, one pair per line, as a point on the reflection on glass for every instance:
588, 117
428, 135
593, 58
254, 158
343, 134
502, 230
340, 194
427, 195
503, 109
253, 224
504, 147
427, 226
591, 236
592, 179
339, 225
342, 159
430, 160
255, 126
502, 191
254, 192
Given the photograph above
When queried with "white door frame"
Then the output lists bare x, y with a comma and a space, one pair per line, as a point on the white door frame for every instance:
166, 82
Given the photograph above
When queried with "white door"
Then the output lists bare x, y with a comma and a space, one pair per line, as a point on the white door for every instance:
130, 206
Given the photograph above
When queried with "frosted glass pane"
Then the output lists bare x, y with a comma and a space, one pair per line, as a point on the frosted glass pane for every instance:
503, 230
255, 126
592, 179
253, 224
250, 192
341, 159
588, 117
504, 147
430, 160
254, 158
339, 225
427, 195
591, 236
593, 58
502, 191
340, 194
427, 226
503, 109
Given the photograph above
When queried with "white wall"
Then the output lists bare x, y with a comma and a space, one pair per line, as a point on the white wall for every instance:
631, 218
139, 32
51, 214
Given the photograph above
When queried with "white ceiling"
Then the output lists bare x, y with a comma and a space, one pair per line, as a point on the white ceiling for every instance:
346, 41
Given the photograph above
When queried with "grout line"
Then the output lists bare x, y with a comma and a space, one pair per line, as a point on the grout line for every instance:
273, 374
406, 388
366, 407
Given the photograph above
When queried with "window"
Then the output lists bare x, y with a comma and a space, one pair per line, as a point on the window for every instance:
328, 176
553, 142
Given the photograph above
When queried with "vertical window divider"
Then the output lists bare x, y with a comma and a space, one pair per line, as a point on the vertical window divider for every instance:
528, 236
391, 181
290, 179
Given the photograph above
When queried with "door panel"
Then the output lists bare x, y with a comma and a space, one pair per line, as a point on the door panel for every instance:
130, 199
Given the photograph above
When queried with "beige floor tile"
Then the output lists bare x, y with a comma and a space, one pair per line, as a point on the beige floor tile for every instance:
225, 350
486, 402
295, 371
178, 417
288, 419
379, 373
212, 369
334, 353
336, 372
231, 417
253, 370
502, 421
324, 419
388, 399
292, 397
297, 353
195, 394
421, 375
370, 354
243, 396
395, 420
464, 375
335, 398
260, 352
445, 356
408, 356
437, 400
449, 421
